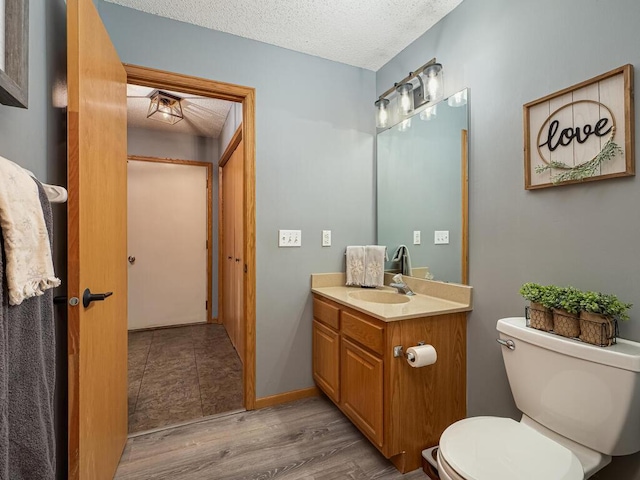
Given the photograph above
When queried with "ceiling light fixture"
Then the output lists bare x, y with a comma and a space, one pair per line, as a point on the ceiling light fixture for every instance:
410, 96
165, 107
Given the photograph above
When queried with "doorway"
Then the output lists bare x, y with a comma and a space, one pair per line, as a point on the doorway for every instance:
209, 337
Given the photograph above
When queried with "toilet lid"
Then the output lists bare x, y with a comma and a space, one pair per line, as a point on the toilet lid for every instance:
490, 448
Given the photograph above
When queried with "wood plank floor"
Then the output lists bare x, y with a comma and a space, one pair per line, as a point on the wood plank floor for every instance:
307, 439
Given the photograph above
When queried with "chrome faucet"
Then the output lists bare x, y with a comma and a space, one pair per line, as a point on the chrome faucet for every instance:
402, 288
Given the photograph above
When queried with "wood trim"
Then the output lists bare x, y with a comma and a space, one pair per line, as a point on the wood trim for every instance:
233, 144
629, 115
286, 397
464, 139
152, 77
209, 167
221, 318
193, 163
208, 88
249, 141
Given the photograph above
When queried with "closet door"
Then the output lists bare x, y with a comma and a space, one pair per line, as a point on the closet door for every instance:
238, 247
233, 241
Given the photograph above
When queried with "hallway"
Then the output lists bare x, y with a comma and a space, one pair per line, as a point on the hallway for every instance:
181, 374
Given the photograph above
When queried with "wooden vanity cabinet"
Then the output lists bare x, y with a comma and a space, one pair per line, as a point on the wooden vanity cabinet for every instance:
402, 410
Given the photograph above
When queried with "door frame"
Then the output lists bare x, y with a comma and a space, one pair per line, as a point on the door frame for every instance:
246, 95
209, 167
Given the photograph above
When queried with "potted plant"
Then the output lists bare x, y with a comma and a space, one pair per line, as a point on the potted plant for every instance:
598, 316
542, 299
565, 315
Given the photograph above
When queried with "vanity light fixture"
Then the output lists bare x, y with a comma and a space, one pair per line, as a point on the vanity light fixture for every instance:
409, 96
165, 107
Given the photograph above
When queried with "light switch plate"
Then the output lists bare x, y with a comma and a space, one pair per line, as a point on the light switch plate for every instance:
441, 237
289, 238
326, 238
416, 237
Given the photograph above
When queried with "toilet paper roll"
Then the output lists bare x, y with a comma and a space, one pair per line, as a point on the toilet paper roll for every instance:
421, 355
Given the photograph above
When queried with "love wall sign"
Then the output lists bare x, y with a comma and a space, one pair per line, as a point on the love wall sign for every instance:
582, 133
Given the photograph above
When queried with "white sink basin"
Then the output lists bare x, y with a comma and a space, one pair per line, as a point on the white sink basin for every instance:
379, 296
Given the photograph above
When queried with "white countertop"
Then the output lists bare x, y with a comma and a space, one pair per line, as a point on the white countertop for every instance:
419, 305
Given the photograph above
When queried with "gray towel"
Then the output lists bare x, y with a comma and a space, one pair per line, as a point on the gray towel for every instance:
402, 256
27, 376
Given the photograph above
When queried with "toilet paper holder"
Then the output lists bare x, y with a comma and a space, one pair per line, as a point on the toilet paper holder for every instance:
399, 352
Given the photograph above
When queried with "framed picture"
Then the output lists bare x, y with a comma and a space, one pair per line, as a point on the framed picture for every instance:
14, 54
582, 133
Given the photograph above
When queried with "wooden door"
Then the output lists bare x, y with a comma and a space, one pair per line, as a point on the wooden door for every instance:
167, 236
97, 246
233, 248
362, 389
238, 248
326, 360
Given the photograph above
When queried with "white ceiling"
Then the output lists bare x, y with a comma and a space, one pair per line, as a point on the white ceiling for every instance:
362, 33
203, 116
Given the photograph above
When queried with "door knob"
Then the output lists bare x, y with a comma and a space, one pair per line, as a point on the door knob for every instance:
88, 297
131, 259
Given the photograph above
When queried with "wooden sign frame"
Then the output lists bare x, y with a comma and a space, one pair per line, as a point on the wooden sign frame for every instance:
14, 79
590, 124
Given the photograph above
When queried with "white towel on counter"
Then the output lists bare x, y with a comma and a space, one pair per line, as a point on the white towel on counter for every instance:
29, 268
374, 257
355, 265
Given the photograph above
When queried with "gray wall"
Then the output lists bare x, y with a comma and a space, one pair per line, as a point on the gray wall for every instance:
182, 146
314, 167
36, 139
510, 53
234, 119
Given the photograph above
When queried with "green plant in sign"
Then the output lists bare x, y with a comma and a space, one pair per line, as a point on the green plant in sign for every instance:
584, 170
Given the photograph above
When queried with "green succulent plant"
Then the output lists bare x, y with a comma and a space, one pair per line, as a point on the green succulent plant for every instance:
570, 299
605, 304
547, 296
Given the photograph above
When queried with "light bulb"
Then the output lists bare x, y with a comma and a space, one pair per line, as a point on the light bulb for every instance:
434, 81
405, 99
404, 125
429, 113
382, 114
458, 99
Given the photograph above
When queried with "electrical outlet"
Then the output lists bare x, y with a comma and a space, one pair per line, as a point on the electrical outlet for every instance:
441, 237
326, 238
416, 237
289, 238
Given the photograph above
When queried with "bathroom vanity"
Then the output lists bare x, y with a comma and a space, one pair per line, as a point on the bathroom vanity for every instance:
400, 409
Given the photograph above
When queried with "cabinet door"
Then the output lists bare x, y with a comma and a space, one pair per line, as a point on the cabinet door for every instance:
326, 360
361, 391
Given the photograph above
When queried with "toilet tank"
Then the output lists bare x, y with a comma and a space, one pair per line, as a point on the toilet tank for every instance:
588, 394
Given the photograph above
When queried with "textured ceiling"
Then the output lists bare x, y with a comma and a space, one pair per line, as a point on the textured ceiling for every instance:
362, 33
203, 116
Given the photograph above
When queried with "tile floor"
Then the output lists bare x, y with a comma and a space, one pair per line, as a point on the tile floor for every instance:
180, 374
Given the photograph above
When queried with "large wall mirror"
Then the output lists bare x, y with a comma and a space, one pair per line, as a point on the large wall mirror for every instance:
423, 187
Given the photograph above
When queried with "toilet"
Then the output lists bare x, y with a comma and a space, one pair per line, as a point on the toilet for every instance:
580, 406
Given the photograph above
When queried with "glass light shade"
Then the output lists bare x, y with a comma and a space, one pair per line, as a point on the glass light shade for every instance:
434, 87
382, 113
165, 108
429, 113
404, 125
458, 99
405, 99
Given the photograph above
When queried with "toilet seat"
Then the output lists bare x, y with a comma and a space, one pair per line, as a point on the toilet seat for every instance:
492, 448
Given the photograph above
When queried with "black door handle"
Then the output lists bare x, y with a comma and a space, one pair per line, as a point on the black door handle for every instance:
88, 297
